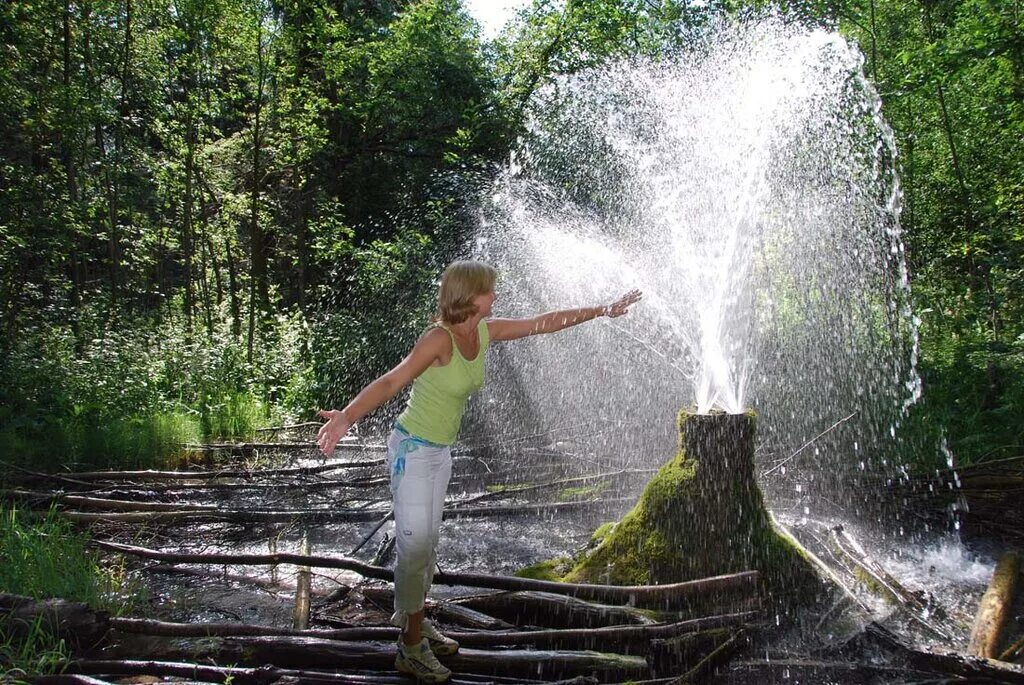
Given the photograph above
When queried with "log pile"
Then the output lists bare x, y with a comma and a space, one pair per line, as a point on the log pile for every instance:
984, 498
513, 630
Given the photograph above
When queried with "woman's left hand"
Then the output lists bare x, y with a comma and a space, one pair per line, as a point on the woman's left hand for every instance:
622, 305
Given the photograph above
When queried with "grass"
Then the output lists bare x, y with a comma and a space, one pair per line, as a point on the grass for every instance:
42, 556
89, 439
235, 415
36, 653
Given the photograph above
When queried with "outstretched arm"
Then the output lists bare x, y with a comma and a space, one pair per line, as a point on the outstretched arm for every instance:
550, 322
427, 349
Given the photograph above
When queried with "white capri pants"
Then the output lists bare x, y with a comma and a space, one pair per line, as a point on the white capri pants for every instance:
420, 471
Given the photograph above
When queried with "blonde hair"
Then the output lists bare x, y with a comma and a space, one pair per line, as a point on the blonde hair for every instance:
460, 283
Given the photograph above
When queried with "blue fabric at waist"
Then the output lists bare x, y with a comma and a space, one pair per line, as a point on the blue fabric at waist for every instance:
422, 441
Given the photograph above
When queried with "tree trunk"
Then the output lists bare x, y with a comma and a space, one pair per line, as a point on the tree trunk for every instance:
996, 605
236, 304
257, 238
710, 477
186, 236
72, 621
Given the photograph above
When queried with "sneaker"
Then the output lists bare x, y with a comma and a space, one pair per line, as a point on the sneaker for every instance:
441, 645
419, 662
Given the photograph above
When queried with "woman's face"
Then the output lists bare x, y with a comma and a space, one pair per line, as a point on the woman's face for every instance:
484, 303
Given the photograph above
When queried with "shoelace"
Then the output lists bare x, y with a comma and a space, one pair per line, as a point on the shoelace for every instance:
427, 658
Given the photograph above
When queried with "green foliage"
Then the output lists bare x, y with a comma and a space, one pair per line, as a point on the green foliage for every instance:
951, 78
132, 396
44, 557
388, 303
37, 653
212, 212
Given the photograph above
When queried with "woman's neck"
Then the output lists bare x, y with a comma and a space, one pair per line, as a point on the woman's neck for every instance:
467, 327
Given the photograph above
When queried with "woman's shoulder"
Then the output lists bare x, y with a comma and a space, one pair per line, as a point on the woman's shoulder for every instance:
435, 334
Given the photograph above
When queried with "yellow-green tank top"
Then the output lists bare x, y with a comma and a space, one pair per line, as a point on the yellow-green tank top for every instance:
439, 394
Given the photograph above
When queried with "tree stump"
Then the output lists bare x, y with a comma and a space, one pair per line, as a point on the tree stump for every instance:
702, 515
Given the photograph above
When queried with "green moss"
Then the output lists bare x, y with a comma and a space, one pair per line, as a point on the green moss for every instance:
602, 531
627, 553
549, 569
507, 487
692, 523
584, 491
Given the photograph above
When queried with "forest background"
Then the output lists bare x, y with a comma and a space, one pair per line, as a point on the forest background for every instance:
221, 214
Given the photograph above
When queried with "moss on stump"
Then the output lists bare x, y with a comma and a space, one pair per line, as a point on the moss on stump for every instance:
702, 515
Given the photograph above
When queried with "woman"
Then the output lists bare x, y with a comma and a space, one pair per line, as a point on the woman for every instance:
445, 366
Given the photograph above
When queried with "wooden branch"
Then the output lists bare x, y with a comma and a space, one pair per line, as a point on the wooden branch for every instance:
264, 675
553, 611
193, 513
987, 633
1014, 651
659, 596
889, 586
466, 617
128, 488
809, 443
607, 636
74, 621
292, 426
240, 447
948, 663
819, 564
68, 679
295, 652
574, 637
712, 660
227, 473
143, 626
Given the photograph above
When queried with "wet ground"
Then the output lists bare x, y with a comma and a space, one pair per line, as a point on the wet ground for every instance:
946, 575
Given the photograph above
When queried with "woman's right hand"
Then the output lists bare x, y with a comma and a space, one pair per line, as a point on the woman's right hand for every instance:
332, 431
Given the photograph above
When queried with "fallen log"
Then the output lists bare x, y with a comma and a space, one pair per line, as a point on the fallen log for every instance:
242, 447
536, 608
876, 578
787, 671
1014, 651
108, 504
515, 490
265, 675
946, 663
610, 636
129, 489
819, 564
75, 622
294, 652
718, 656
144, 626
617, 637
197, 513
466, 617
996, 603
657, 596
86, 476
68, 679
